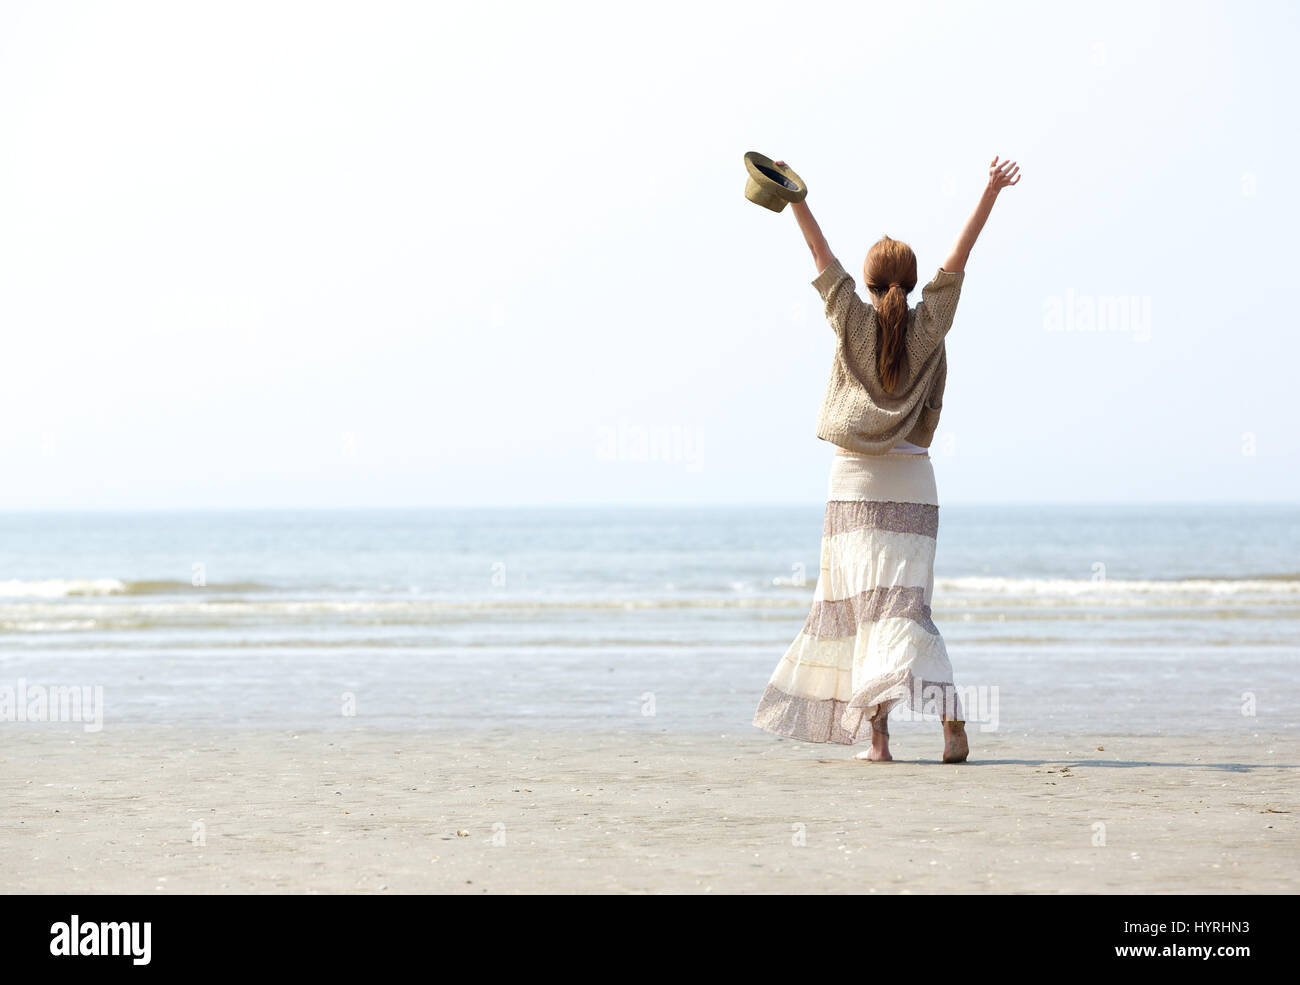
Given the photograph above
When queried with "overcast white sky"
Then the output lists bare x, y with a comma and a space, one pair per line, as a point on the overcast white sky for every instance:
361, 254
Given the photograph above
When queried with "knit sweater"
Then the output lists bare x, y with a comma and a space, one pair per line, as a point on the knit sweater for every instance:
857, 413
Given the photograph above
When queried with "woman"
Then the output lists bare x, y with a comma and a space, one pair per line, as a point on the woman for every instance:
869, 642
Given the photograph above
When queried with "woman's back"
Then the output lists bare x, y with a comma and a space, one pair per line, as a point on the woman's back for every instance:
859, 412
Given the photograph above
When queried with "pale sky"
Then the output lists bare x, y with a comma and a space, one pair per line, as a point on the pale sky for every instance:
373, 254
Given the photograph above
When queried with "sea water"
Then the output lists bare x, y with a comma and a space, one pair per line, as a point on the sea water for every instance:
1139, 619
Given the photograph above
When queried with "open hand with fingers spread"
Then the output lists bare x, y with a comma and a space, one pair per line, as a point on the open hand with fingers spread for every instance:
1000, 175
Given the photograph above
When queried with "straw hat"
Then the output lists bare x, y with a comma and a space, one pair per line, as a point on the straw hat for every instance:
770, 186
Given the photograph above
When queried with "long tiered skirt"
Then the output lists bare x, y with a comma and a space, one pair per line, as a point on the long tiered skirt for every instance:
869, 643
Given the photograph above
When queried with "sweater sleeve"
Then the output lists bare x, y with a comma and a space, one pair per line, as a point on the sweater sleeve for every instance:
844, 309
938, 304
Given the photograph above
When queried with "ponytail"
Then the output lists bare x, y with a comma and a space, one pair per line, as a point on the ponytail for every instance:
891, 330
890, 262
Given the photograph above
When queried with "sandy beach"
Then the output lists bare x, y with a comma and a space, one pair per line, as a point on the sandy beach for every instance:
158, 810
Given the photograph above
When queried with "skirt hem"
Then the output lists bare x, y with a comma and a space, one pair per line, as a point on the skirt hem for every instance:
830, 720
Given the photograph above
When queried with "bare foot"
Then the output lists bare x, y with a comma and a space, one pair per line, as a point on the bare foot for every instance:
955, 746
879, 751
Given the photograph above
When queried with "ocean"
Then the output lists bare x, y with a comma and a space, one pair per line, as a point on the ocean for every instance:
1142, 619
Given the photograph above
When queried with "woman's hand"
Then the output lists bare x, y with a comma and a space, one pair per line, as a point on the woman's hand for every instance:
1000, 175
801, 203
782, 164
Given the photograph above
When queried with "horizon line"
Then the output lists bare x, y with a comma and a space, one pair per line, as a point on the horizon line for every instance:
608, 505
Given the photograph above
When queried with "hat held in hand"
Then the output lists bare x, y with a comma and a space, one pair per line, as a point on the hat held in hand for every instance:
771, 186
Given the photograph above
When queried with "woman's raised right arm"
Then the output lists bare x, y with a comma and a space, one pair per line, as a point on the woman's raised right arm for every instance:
1000, 176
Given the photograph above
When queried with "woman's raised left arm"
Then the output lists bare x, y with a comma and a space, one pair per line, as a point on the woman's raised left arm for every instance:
812, 232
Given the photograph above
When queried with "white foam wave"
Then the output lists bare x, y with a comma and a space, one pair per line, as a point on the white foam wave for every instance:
1072, 587
53, 588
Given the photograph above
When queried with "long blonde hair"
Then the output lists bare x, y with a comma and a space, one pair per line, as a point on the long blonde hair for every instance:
890, 273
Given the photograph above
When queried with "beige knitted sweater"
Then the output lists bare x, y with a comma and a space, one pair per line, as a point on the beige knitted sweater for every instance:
856, 412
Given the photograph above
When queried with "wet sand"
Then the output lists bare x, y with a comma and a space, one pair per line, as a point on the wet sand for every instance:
167, 810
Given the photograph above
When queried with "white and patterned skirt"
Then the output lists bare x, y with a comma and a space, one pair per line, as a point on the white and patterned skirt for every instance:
869, 643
